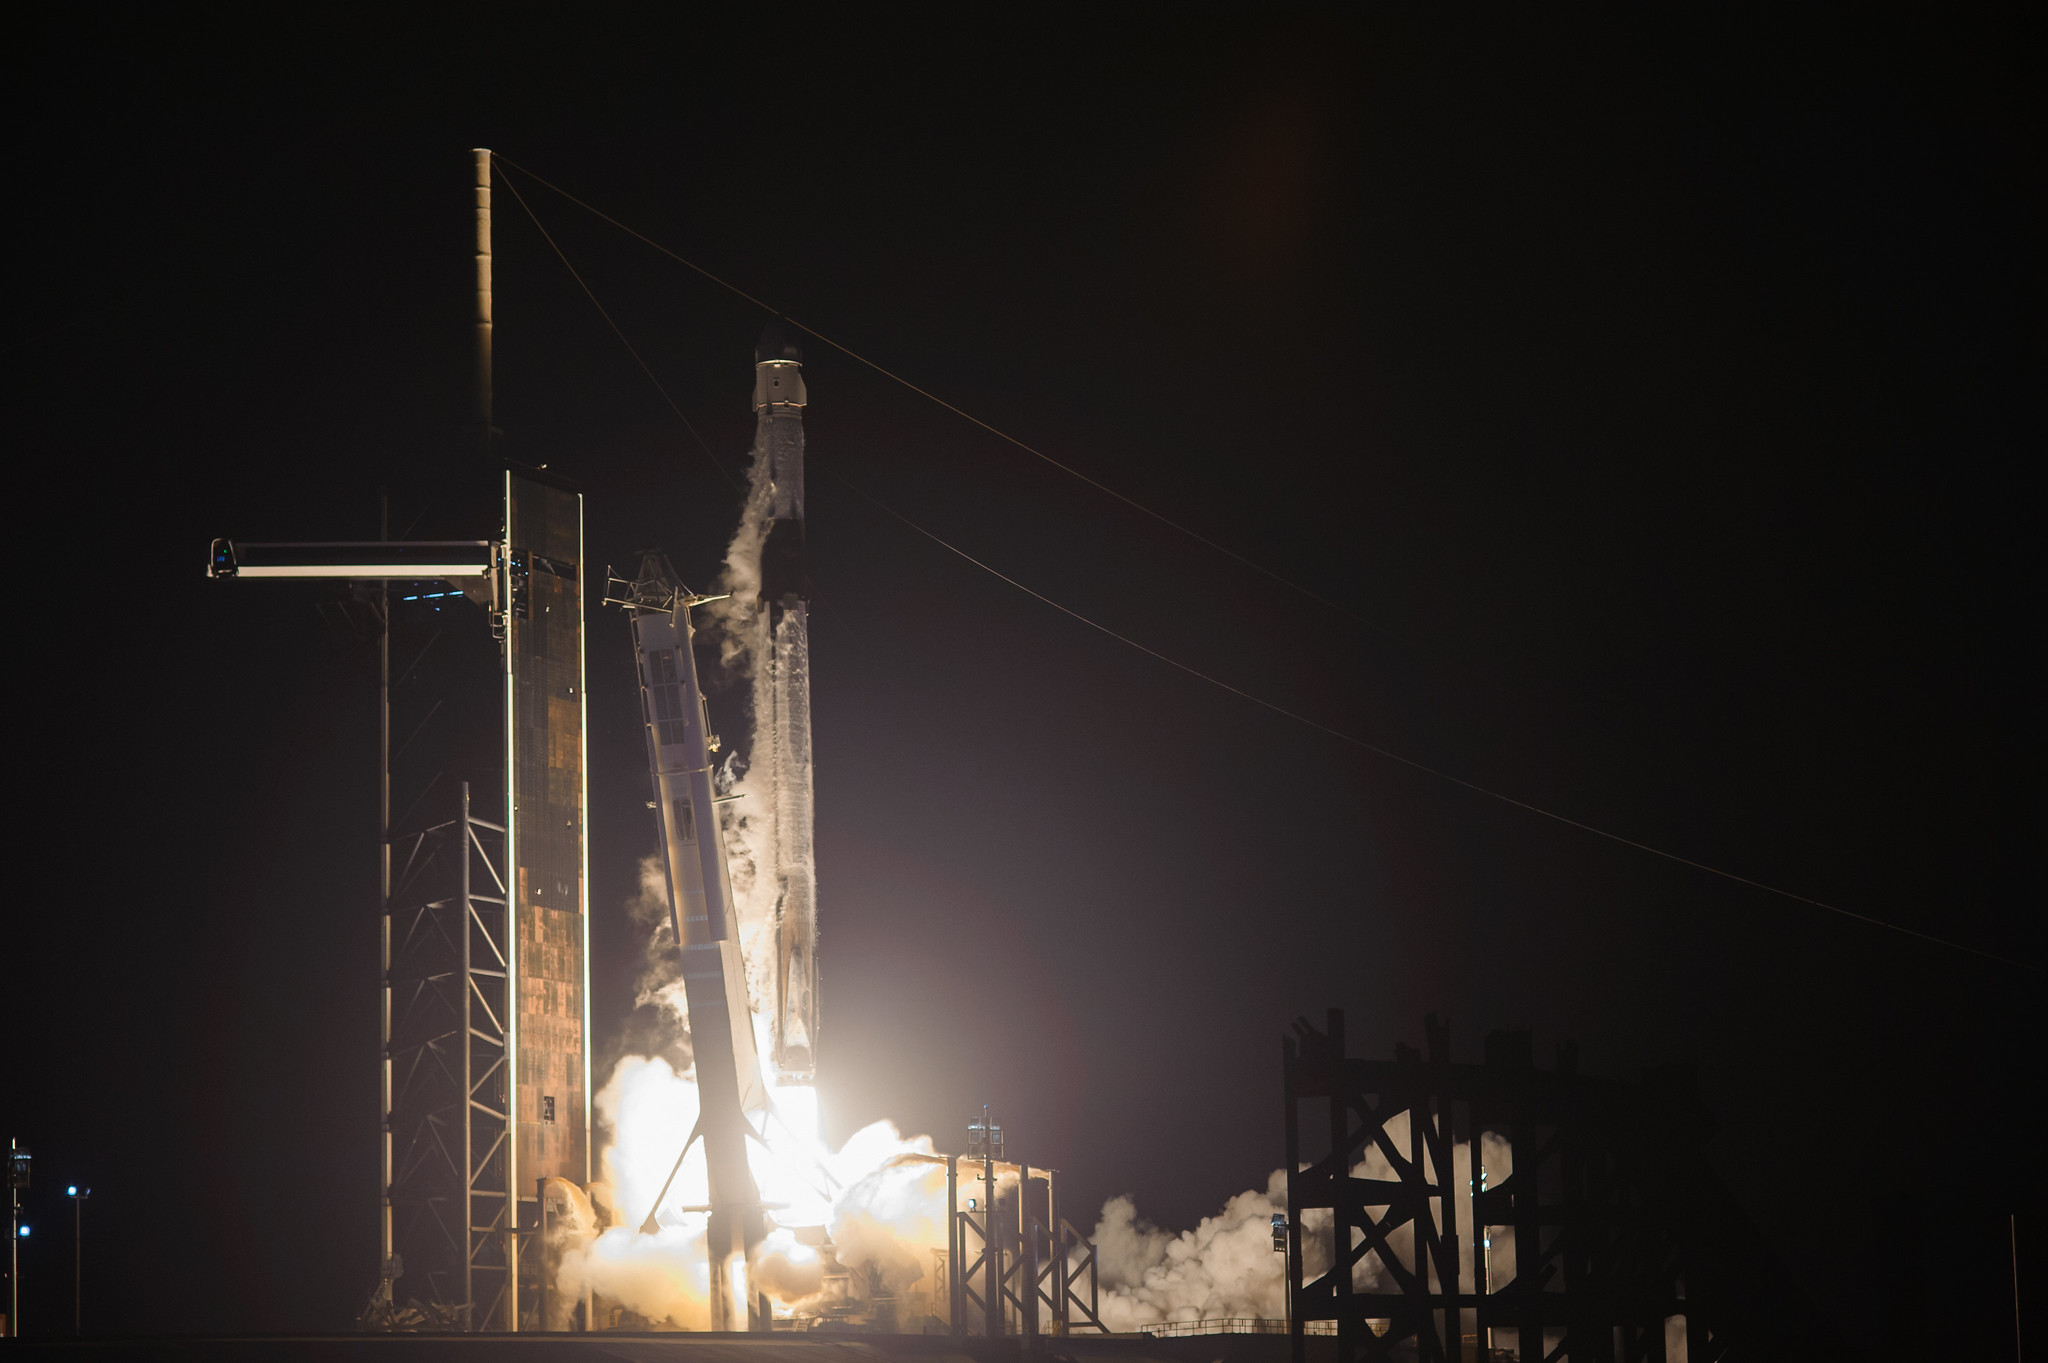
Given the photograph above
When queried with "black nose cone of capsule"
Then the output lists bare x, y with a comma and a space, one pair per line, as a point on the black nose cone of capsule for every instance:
777, 343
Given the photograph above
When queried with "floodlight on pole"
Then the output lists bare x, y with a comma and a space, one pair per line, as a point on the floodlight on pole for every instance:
17, 1179
78, 1196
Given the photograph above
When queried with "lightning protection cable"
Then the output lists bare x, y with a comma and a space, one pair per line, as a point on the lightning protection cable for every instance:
716, 462
1391, 756
968, 416
1296, 716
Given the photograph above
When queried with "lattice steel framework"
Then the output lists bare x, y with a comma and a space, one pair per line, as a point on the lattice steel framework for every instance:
1623, 1238
450, 1047
1014, 1263
486, 1055
502, 984
486, 1015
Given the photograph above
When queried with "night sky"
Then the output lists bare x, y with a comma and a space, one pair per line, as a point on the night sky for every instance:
1650, 395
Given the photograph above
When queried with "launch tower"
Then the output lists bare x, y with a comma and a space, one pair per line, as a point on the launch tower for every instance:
486, 1056
485, 872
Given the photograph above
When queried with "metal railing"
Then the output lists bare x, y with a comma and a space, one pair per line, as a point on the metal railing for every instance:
1233, 1325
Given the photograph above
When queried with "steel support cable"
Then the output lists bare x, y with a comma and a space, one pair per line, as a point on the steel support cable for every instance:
1217, 682
90, 315
716, 462
999, 433
816, 599
1378, 751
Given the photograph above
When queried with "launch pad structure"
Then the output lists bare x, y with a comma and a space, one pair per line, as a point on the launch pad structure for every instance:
484, 896
484, 865
1618, 1226
484, 869
484, 873
1028, 1261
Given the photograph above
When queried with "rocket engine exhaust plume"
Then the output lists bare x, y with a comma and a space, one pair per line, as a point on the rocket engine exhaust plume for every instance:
882, 1197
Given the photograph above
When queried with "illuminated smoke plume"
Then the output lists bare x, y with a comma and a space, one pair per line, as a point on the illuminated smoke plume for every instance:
648, 1109
739, 625
1226, 1267
882, 1197
658, 1024
893, 1219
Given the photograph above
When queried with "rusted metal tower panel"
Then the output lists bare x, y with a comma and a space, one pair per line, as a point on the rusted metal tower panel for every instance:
545, 747
486, 1058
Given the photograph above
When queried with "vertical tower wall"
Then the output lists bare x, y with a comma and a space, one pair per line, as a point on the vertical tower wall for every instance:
487, 1050
545, 739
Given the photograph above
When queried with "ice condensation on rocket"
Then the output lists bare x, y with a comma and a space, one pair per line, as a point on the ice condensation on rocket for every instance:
765, 622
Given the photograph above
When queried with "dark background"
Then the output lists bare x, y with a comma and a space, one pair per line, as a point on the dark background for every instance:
1657, 388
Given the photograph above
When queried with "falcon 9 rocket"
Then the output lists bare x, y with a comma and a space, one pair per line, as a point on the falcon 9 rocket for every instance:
782, 737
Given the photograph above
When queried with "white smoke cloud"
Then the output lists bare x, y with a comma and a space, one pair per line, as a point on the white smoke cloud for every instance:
884, 1197
739, 625
649, 1110
664, 1277
893, 1218
1227, 1267
659, 979
788, 1269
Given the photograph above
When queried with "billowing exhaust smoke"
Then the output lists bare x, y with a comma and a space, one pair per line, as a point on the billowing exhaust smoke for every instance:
1226, 1268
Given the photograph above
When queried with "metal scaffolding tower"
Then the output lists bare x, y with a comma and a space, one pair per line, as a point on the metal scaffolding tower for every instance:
1622, 1238
448, 1058
484, 872
486, 1056
1012, 1261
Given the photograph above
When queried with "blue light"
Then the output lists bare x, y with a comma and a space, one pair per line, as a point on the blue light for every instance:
72, 1191
24, 1232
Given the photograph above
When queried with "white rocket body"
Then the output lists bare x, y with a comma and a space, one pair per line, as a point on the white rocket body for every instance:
782, 705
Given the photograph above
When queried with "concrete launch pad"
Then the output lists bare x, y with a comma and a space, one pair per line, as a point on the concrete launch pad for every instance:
819, 1347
